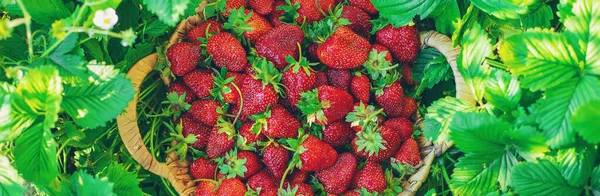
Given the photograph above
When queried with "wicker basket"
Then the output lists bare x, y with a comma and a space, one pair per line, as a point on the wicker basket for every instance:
176, 172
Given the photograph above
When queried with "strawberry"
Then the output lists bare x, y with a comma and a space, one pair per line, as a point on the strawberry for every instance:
276, 14
409, 153
360, 87
248, 23
221, 139
312, 10
325, 104
391, 99
410, 107
364, 115
206, 188
360, 21
376, 145
298, 78
202, 168
262, 7
402, 125
318, 155
298, 176
260, 90
232, 187
184, 57
344, 49
297, 189
200, 82
380, 48
180, 88
263, 180
280, 43
227, 52
250, 138
312, 51
268, 192
226, 86
205, 111
407, 75
339, 78
191, 126
276, 159
337, 134
351, 193
365, 5
209, 26
276, 122
371, 177
233, 4
320, 79
403, 41
253, 163
338, 177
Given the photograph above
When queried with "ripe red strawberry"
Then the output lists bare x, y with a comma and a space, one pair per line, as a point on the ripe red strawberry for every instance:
255, 26
320, 79
191, 126
263, 180
298, 78
233, 4
210, 26
351, 193
409, 153
262, 7
371, 177
202, 168
279, 43
337, 134
232, 187
312, 10
360, 86
339, 78
205, 111
381, 48
365, 5
268, 192
180, 88
372, 141
325, 104
407, 75
206, 188
298, 176
344, 49
253, 163
224, 89
276, 159
251, 138
277, 123
410, 107
200, 82
403, 41
359, 19
312, 51
184, 57
227, 52
257, 96
221, 139
338, 177
402, 125
391, 99
297, 189
275, 15
318, 155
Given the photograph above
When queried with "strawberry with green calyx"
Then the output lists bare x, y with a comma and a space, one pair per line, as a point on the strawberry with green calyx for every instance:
225, 87
276, 158
227, 51
337, 134
177, 103
393, 184
363, 116
203, 168
409, 153
275, 122
231, 166
176, 134
403, 41
369, 141
380, 48
298, 77
289, 11
180, 89
371, 178
325, 104
275, 16
245, 22
206, 111
266, 72
248, 140
360, 21
221, 138
262, 180
344, 49
279, 43
207, 188
378, 66
203, 30
299, 189
183, 57
200, 81
232, 187
261, 90
193, 127
390, 97
377, 144
338, 177
225, 6
360, 87
313, 154
319, 31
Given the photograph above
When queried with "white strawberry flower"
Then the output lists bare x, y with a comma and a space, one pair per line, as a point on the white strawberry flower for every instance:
106, 19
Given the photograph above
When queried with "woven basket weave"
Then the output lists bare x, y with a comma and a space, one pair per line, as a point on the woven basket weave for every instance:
176, 172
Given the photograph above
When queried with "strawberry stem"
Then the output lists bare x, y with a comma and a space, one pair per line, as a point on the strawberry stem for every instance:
287, 170
241, 103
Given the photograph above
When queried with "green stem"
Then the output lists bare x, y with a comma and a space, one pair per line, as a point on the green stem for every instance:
27, 22
241, 103
287, 170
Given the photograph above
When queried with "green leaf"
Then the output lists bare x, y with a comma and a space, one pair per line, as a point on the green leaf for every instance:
125, 182
68, 57
12, 47
42, 11
156, 28
480, 133
475, 174
102, 99
581, 29
505, 9
472, 16
402, 12
11, 184
555, 110
430, 68
585, 121
439, 117
528, 142
35, 155
5, 110
448, 17
506, 164
133, 55
168, 11
475, 47
541, 59
541, 178
595, 181
82, 183
576, 163
502, 90
540, 18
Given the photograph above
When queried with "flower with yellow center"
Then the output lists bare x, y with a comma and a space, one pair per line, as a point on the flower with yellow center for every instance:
106, 19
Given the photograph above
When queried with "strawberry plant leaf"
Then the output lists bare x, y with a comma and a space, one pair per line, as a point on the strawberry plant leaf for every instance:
472, 16
430, 68
480, 133
68, 58
583, 36
402, 12
585, 122
11, 184
82, 183
42, 11
5, 110
554, 112
35, 155
541, 178
528, 142
475, 47
595, 181
503, 9
576, 163
506, 164
168, 11
502, 90
447, 17
102, 99
439, 117
125, 182
475, 174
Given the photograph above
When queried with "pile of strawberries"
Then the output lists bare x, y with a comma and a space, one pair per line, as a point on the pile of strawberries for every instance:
296, 97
